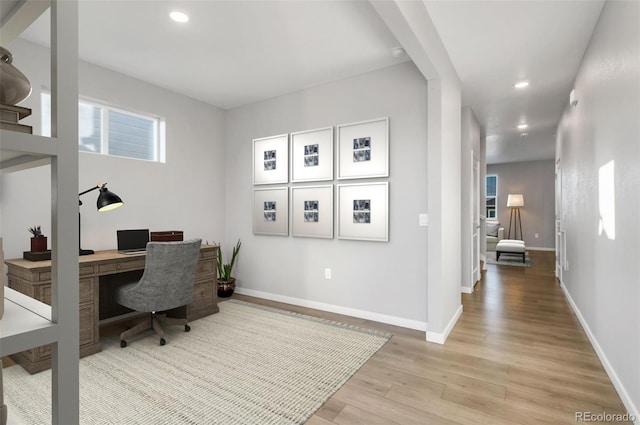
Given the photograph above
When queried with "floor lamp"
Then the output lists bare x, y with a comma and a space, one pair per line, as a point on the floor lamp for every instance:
107, 201
515, 201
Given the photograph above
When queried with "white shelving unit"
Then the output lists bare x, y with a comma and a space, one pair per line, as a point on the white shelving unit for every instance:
28, 323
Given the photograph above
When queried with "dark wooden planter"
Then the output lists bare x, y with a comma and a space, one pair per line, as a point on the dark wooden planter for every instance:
39, 244
226, 288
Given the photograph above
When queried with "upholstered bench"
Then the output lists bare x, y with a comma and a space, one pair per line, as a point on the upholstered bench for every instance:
510, 246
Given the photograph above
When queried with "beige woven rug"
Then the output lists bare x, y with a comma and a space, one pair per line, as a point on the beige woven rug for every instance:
247, 364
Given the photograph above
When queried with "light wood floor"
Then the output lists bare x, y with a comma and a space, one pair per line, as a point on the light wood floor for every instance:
518, 355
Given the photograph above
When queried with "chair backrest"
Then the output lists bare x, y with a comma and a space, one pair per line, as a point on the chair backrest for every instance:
169, 272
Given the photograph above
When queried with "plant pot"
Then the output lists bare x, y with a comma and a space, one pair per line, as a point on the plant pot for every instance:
226, 287
39, 244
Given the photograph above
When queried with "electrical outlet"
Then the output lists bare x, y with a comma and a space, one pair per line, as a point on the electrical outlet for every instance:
327, 273
536, 235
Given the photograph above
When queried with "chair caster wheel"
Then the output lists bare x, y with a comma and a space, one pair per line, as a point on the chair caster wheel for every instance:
123, 343
187, 328
162, 341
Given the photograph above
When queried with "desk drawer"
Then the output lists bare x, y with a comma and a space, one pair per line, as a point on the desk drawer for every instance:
204, 294
137, 264
205, 267
88, 290
89, 333
86, 270
209, 252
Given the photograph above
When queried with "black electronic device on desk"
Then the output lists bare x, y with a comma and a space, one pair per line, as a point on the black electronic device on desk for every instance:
132, 241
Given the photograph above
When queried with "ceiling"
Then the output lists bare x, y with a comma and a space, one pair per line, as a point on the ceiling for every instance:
493, 44
233, 53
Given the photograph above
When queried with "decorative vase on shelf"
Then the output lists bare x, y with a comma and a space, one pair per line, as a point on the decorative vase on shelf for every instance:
14, 85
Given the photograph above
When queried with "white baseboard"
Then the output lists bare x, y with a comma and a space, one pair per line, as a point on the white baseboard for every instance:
439, 337
362, 314
466, 290
538, 248
632, 409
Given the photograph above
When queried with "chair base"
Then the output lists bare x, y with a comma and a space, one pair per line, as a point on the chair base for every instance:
153, 321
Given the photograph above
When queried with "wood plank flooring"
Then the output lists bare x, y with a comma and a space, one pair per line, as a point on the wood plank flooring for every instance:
518, 355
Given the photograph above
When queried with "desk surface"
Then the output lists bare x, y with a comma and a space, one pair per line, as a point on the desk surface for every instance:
111, 255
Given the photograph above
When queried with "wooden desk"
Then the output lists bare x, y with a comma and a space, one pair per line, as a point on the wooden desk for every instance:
106, 268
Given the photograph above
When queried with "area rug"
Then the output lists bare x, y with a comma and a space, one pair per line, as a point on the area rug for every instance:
248, 364
509, 259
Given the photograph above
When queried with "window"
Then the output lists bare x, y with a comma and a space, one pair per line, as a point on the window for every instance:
492, 196
111, 131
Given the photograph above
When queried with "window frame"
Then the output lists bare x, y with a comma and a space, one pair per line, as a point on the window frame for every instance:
159, 126
494, 197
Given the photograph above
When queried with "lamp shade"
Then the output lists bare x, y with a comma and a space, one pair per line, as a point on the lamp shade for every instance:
515, 200
108, 200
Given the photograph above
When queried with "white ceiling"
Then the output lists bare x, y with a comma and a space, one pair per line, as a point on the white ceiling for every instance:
493, 44
233, 53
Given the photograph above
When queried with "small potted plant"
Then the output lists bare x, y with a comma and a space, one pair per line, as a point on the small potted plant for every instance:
38, 240
226, 283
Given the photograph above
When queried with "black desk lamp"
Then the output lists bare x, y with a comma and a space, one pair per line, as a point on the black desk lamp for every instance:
107, 201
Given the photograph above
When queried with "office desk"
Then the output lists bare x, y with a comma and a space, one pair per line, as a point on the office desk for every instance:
100, 273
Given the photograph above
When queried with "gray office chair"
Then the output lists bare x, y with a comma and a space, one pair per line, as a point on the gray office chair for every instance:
167, 283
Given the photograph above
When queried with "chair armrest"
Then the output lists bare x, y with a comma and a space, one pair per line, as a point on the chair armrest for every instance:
500, 234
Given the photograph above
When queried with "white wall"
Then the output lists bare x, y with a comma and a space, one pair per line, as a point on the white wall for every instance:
412, 26
369, 278
470, 149
186, 193
603, 277
536, 181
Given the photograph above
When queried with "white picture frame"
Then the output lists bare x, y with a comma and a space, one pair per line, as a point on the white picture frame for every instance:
271, 211
312, 155
363, 211
271, 160
363, 149
312, 211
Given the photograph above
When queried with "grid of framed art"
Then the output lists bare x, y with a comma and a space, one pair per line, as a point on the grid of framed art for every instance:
362, 152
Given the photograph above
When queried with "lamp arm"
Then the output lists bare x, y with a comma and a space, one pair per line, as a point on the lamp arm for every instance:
98, 186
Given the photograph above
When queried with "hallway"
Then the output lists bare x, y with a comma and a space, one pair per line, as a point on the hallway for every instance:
518, 355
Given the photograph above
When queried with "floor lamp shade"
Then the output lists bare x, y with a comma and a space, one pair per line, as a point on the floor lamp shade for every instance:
515, 201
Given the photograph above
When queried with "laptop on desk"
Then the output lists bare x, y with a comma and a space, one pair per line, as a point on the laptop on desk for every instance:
132, 241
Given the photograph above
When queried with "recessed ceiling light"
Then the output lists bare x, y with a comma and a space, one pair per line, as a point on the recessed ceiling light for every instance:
522, 126
179, 16
521, 84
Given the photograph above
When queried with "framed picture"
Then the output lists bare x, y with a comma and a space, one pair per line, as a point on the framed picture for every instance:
271, 211
312, 155
312, 211
363, 149
363, 211
271, 160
